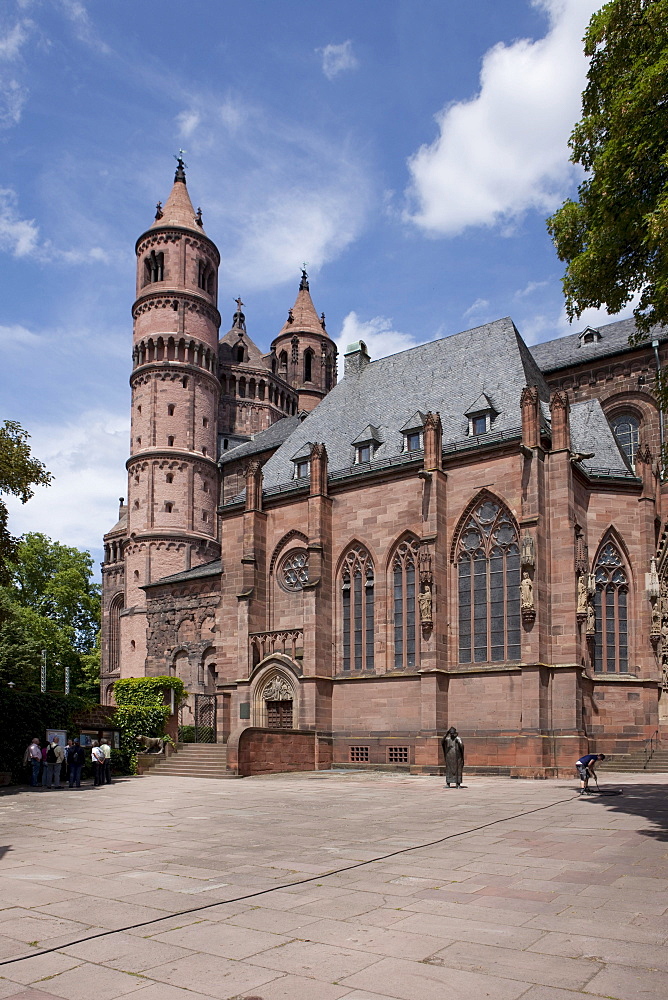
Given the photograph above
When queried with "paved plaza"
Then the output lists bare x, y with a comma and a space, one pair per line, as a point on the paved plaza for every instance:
552, 897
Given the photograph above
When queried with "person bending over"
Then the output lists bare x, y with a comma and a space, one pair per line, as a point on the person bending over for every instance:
586, 768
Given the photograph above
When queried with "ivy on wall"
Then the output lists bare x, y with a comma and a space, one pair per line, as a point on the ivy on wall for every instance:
142, 711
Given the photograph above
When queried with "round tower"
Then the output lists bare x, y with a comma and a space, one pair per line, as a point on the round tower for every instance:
172, 472
305, 353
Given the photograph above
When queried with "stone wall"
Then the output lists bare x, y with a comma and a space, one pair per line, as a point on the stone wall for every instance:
270, 751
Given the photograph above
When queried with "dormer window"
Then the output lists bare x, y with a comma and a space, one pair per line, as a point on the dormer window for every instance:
366, 443
301, 461
590, 335
412, 432
481, 415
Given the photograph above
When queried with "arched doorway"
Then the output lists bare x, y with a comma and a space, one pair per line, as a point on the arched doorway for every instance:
275, 699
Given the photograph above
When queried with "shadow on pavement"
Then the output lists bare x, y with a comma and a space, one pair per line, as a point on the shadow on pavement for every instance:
650, 801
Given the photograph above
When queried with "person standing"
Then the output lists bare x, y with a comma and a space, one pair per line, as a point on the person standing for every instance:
76, 759
106, 750
97, 758
453, 751
65, 775
586, 768
45, 750
33, 757
54, 759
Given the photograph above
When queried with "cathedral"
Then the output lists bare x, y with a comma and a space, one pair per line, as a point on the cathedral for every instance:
364, 553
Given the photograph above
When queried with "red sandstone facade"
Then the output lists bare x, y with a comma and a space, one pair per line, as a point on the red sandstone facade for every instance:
336, 602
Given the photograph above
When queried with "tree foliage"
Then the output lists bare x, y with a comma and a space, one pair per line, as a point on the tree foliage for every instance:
141, 710
614, 238
19, 473
50, 603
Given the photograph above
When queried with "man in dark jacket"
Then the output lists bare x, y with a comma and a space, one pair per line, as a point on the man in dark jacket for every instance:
76, 759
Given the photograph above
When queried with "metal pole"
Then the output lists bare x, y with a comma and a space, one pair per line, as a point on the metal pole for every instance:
42, 678
67, 678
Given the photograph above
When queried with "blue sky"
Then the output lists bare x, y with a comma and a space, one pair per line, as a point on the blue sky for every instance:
408, 150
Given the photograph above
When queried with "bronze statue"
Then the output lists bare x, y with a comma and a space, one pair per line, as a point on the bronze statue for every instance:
453, 750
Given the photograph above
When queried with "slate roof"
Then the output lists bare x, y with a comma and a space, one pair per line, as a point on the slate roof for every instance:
206, 569
233, 337
570, 350
590, 431
272, 437
444, 376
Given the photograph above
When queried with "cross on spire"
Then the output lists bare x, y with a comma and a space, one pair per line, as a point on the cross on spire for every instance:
180, 174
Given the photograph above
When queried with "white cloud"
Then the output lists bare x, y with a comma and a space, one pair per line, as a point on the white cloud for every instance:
17, 336
378, 335
77, 13
505, 151
87, 459
337, 59
529, 289
12, 101
12, 43
187, 122
544, 326
18, 236
478, 307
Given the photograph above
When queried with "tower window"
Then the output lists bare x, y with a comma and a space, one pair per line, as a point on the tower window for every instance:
204, 452
205, 515
139, 408
626, 429
283, 361
139, 442
170, 441
136, 574
205, 487
308, 365
169, 478
136, 504
170, 410
205, 421
239, 354
169, 507
205, 276
184, 381
154, 267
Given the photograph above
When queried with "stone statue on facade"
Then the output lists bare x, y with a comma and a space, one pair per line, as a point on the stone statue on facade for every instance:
527, 606
581, 611
424, 601
591, 621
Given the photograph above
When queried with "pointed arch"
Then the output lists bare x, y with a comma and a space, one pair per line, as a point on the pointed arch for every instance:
275, 697
486, 553
403, 584
611, 605
116, 606
291, 537
356, 578
476, 500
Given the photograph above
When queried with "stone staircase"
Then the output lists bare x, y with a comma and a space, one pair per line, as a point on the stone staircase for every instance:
194, 760
635, 762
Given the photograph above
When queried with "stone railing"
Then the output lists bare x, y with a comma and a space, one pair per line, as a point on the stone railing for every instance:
287, 641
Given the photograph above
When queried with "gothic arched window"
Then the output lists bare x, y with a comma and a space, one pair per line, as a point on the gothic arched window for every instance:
611, 605
308, 365
404, 586
357, 606
115, 608
626, 429
488, 559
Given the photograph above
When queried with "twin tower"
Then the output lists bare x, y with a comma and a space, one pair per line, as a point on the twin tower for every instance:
193, 396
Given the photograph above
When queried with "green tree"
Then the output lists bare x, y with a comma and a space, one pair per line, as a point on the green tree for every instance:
51, 604
614, 238
19, 473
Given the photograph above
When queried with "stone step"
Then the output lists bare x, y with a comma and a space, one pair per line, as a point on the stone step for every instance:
191, 772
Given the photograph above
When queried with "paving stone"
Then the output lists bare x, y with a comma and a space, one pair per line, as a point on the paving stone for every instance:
626, 983
210, 974
38, 967
460, 929
222, 938
606, 950
87, 980
318, 961
416, 981
524, 965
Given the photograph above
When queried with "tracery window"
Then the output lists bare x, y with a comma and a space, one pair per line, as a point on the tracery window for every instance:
293, 570
404, 583
488, 561
626, 429
611, 607
357, 606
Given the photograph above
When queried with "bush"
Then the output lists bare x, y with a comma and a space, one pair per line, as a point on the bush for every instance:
142, 712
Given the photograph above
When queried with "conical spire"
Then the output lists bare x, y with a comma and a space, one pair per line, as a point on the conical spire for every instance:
179, 211
303, 318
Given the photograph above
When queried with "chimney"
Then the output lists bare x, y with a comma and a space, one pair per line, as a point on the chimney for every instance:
355, 359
